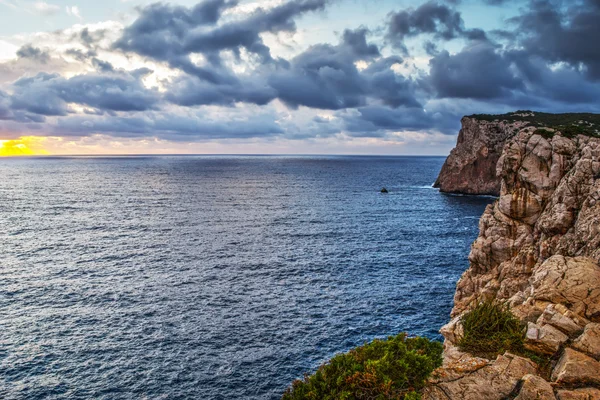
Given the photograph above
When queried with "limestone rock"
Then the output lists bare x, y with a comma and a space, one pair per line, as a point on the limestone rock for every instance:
457, 364
471, 166
562, 318
493, 381
575, 368
453, 330
521, 204
535, 388
544, 339
579, 394
570, 281
589, 341
549, 206
538, 250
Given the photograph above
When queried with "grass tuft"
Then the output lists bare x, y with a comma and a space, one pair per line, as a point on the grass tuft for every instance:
491, 329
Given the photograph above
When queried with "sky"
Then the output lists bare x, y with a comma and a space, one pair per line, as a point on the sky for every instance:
284, 76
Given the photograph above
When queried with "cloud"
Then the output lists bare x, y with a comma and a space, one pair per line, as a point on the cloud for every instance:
45, 8
74, 11
326, 77
33, 53
169, 126
562, 32
479, 71
430, 18
375, 121
171, 33
51, 94
5, 106
323, 76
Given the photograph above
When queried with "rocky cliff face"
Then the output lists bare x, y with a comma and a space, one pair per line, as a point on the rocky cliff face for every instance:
471, 166
539, 251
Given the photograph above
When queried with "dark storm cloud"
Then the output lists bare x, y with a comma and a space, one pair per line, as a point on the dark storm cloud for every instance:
356, 40
171, 34
323, 76
5, 106
375, 121
326, 77
171, 127
50, 94
33, 53
191, 91
90, 39
102, 66
430, 18
563, 32
161, 29
479, 71
525, 71
560, 83
81, 55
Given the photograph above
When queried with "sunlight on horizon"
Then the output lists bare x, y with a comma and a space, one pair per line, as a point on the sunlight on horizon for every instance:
24, 146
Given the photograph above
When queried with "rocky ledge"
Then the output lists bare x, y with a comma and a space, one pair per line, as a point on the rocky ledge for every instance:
538, 251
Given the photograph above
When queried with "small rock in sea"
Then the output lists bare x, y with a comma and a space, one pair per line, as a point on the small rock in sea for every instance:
384, 190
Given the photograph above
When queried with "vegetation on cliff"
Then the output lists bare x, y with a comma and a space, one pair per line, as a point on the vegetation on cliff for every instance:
490, 329
569, 124
395, 368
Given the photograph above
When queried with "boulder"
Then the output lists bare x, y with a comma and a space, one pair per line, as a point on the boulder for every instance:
453, 330
493, 381
544, 339
571, 281
579, 394
589, 341
575, 368
562, 318
535, 387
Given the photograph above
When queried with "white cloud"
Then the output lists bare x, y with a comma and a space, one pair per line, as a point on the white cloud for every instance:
45, 8
8, 50
74, 12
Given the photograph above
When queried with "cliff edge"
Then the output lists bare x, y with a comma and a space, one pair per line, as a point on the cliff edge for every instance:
538, 252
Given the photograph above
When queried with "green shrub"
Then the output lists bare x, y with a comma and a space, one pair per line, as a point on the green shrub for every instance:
545, 133
569, 124
396, 368
491, 329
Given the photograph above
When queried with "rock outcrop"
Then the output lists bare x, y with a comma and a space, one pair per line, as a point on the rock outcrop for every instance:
471, 166
538, 251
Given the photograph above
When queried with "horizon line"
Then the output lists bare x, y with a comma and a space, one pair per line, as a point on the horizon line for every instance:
221, 155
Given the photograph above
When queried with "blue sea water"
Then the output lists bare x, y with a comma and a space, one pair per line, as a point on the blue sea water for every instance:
215, 277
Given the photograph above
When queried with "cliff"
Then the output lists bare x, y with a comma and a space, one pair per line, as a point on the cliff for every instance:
471, 166
538, 251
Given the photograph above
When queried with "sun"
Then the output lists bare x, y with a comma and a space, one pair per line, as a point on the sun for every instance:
24, 146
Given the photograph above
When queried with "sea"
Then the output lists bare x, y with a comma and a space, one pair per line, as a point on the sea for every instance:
216, 277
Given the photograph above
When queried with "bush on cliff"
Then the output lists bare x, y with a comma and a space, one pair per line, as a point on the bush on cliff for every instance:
396, 368
491, 329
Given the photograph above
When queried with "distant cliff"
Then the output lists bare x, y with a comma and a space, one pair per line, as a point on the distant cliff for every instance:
471, 166
538, 251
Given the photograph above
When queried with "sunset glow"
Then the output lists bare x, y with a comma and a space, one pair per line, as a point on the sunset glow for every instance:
24, 146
